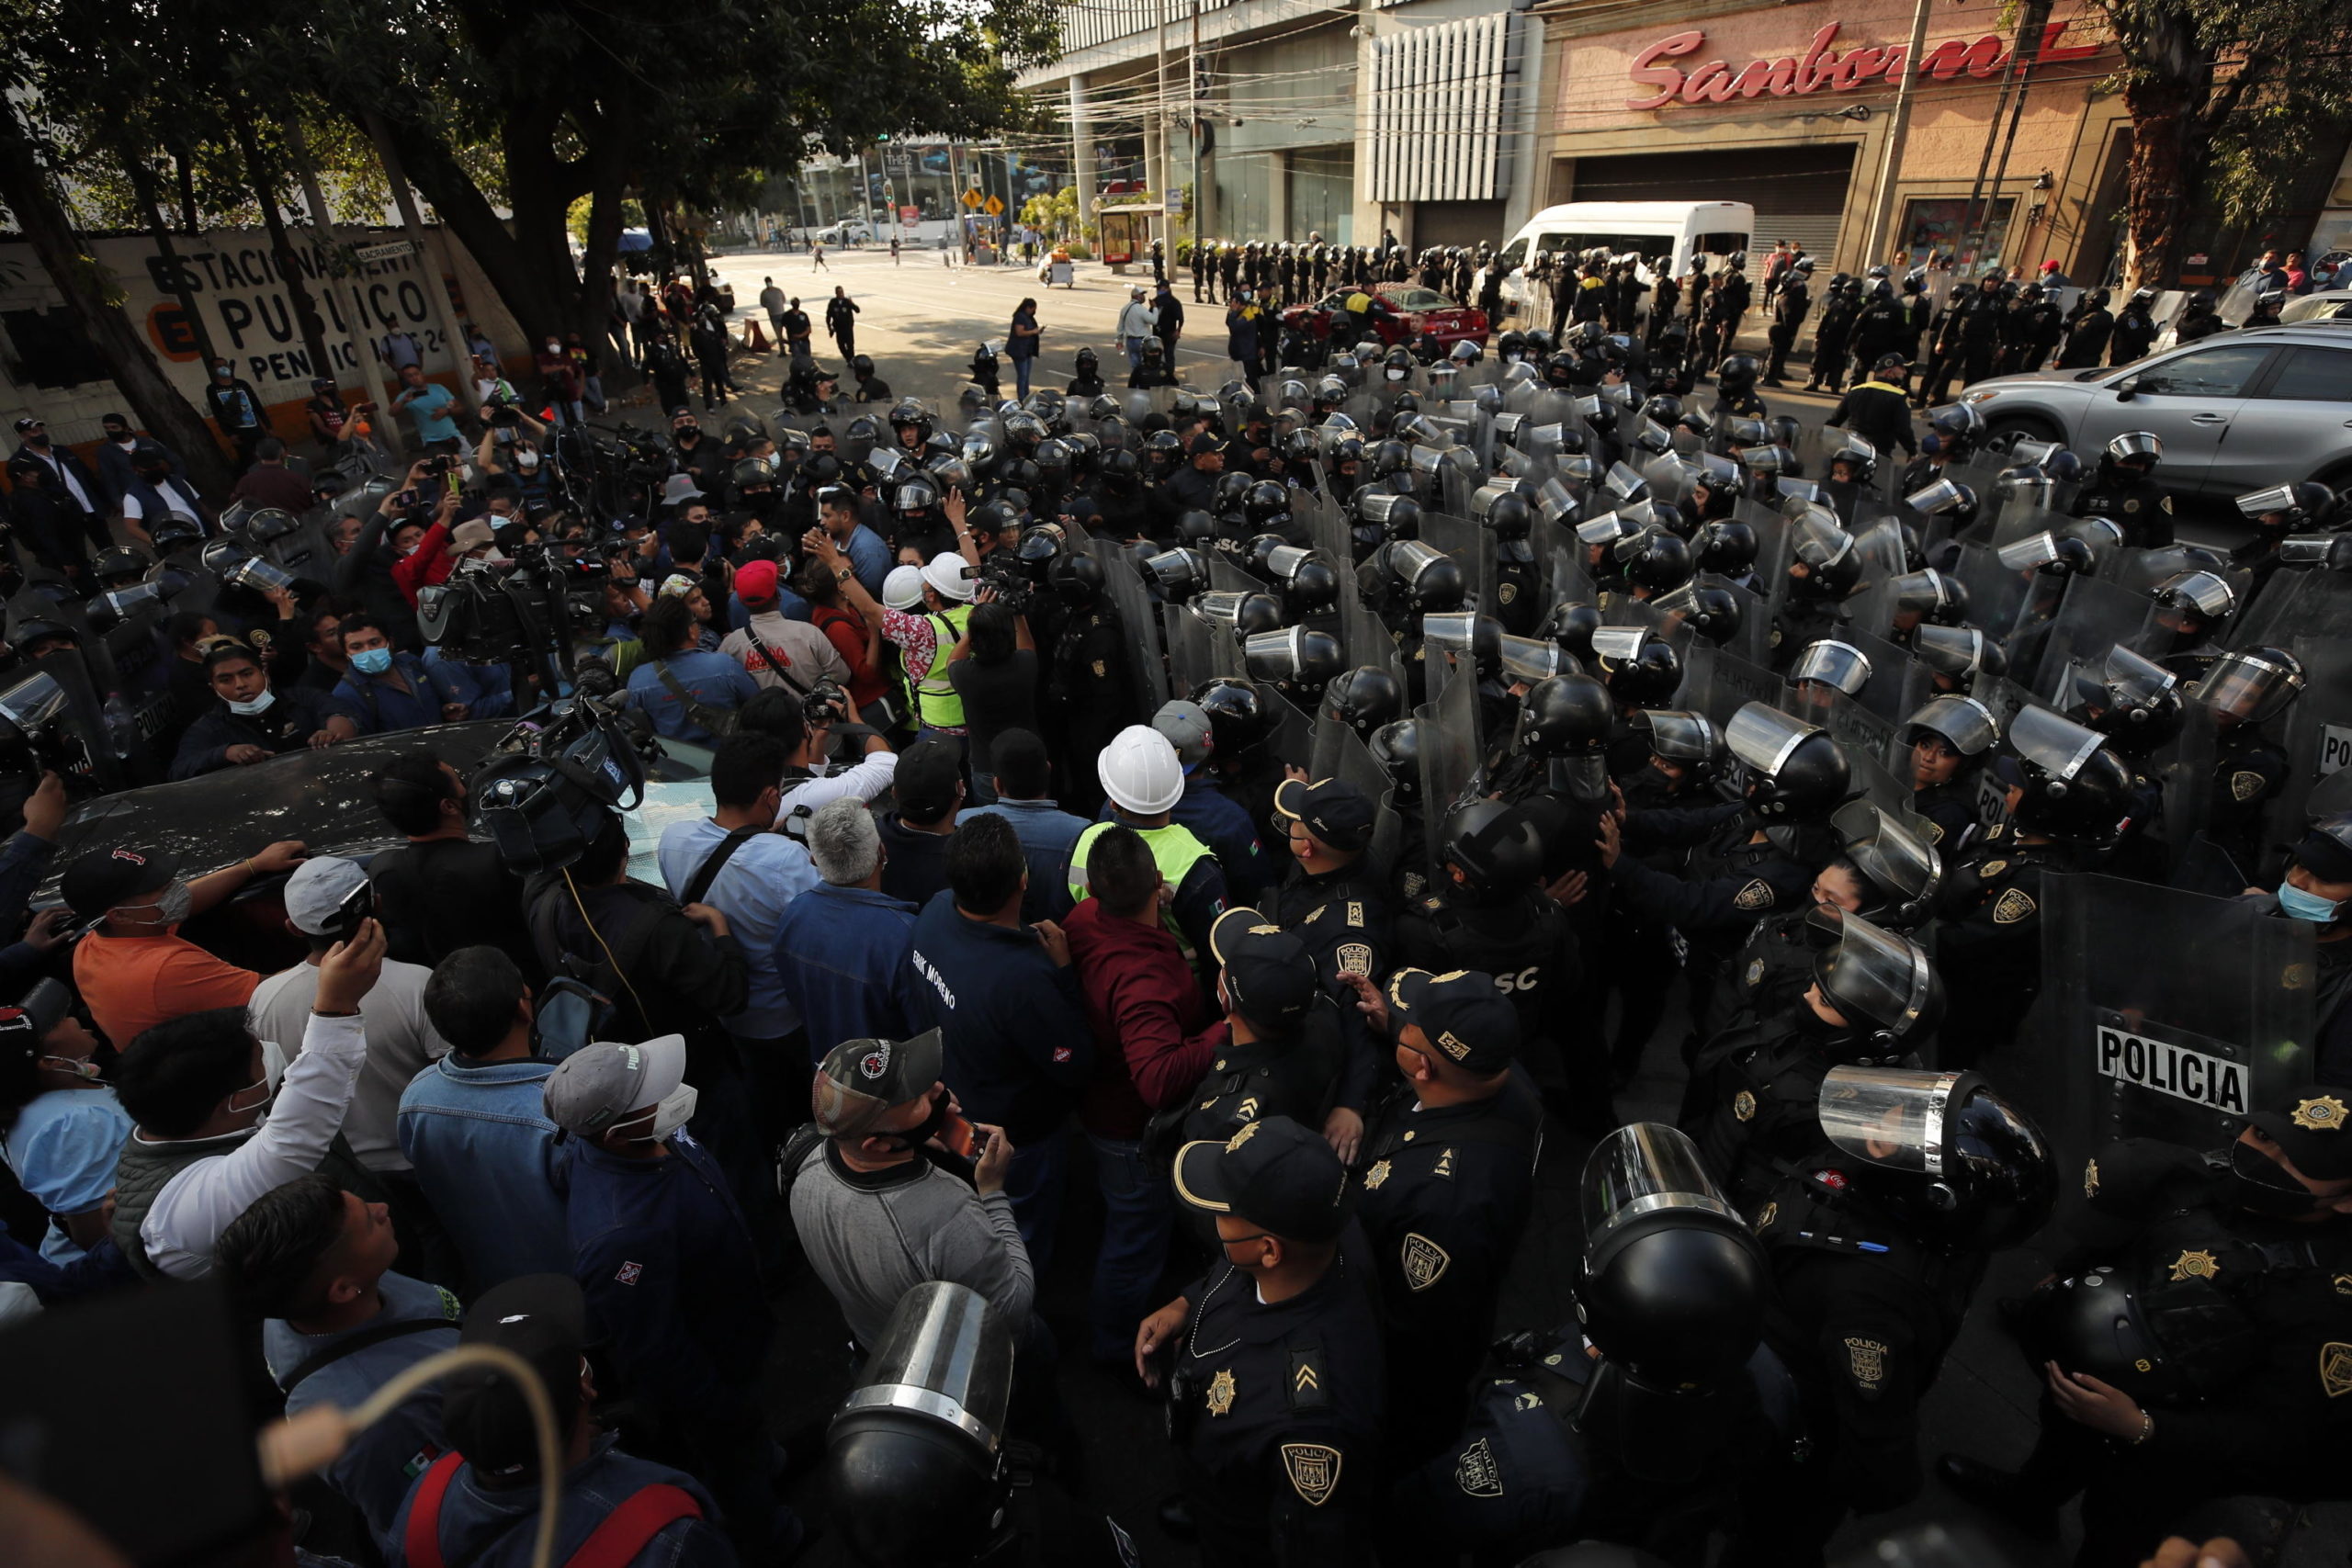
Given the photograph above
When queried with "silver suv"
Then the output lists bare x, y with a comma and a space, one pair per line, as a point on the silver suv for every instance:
2236, 411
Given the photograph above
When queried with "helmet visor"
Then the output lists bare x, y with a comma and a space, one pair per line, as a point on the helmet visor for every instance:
1834, 664
2031, 553
1877, 973
1763, 737
2203, 592
2134, 679
2277, 498
1966, 723
1451, 630
1896, 860
1820, 542
1925, 593
1892, 1116
1679, 736
2248, 687
1530, 658
1640, 1170
2056, 745
1274, 656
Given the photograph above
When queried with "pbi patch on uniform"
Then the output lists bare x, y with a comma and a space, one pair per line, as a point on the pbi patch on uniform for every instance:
1354, 958
1314, 1471
1424, 1261
1867, 1358
2013, 905
1757, 894
1476, 1472
2244, 784
2335, 1368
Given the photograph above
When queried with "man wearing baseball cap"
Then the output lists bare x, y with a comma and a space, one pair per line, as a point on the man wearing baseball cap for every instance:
1285, 1049
134, 969
1207, 812
479, 1503
2241, 1260
1331, 898
883, 1205
1447, 1192
775, 651
667, 1263
250, 720
1272, 1358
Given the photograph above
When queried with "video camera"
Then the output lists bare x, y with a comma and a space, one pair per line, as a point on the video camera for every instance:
548, 788
519, 612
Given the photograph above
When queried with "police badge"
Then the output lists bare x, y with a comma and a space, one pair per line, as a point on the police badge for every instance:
1757, 894
1376, 1176
1355, 958
1476, 1472
2012, 907
1743, 1106
2195, 1266
1868, 1360
1314, 1471
2335, 1368
1221, 1393
2324, 1113
2244, 784
2090, 1179
1424, 1261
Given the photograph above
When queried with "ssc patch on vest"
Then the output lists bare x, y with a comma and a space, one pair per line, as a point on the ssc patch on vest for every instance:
1355, 958
1757, 894
2244, 784
2335, 1368
2012, 907
1220, 1393
1476, 1472
1314, 1471
2195, 1266
1867, 1358
1424, 1261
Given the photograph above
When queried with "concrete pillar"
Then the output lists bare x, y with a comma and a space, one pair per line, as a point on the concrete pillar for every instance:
1081, 147
1278, 196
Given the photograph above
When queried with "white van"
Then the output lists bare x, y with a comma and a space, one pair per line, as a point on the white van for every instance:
1647, 229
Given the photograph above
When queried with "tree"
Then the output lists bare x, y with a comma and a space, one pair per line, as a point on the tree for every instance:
2228, 100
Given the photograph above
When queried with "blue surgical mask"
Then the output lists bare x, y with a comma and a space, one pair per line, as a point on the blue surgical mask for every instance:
2298, 905
259, 705
372, 662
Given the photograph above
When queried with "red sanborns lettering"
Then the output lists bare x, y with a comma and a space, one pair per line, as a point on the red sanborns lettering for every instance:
1822, 66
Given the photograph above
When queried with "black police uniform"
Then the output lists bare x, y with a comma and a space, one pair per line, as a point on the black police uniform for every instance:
2135, 334
1863, 1314
1275, 1411
1988, 941
1878, 413
1445, 1193
1788, 311
1800, 622
2016, 338
1342, 917
1878, 331
2133, 501
1292, 1074
2087, 339
2248, 770
1753, 1106
1950, 811
1089, 697
1831, 335
2249, 1315
1768, 975
1528, 945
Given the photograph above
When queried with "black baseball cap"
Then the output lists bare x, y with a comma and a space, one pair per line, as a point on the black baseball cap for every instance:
1338, 813
1204, 444
1268, 973
1273, 1173
926, 778
2315, 1127
860, 1079
544, 1319
99, 880
26, 423
1461, 1014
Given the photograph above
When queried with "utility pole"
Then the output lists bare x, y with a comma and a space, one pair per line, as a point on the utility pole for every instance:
1192, 106
337, 253
452, 329
1159, 125
1882, 205
2028, 44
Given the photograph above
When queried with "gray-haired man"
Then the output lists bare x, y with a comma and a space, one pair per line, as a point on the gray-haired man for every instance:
842, 946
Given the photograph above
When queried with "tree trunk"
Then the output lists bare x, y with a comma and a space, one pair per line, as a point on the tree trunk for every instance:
606, 184
142, 186
184, 161
459, 205
154, 401
2155, 198
259, 176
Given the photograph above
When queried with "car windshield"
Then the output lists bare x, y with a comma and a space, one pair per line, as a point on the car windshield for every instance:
1415, 298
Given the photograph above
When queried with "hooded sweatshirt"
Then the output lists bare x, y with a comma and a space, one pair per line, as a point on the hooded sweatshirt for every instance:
1153, 1034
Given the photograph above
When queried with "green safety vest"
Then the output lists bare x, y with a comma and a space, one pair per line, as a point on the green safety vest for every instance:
936, 703
1174, 849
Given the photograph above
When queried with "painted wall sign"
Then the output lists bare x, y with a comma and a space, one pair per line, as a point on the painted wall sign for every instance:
1822, 67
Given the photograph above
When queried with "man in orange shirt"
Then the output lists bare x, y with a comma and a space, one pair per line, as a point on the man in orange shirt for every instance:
133, 968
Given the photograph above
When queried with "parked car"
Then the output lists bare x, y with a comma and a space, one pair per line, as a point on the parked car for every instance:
844, 234
1412, 310
2236, 411
2330, 304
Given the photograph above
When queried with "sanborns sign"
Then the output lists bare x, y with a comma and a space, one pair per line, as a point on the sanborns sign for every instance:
1822, 68
2175, 1070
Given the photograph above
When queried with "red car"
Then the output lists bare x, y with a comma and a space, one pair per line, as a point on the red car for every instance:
1411, 310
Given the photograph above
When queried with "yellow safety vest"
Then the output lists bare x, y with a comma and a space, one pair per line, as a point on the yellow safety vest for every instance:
936, 703
1175, 849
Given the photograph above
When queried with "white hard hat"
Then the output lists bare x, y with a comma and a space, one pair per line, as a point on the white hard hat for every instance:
902, 590
949, 577
1140, 773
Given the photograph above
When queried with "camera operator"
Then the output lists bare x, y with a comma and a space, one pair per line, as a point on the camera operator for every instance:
364, 572
507, 432
812, 778
250, 722
855, 636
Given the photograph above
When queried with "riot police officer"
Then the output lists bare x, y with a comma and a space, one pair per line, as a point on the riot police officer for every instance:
1879, 408
1833, 333
2126, 493
1447, 1182
1951, 737
2199, 319
2190, 1348
1791, 304
1271, 1360
1967, 340
2136, 329
1281, 1056
1333, 899
2242, 691
2088, 332
1877, 1244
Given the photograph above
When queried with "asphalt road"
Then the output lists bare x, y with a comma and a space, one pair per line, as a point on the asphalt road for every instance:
920, 321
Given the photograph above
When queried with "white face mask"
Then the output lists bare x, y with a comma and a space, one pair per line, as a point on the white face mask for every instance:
259, 705
675, 1108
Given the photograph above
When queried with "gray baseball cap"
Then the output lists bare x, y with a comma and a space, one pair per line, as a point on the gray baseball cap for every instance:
1187, 725
315, 893
600, 1084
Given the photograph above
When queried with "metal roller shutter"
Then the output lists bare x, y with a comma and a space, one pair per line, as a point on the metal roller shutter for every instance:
1799, 193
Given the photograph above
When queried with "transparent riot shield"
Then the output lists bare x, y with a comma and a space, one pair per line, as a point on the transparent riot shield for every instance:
1325, 524
2316, 733
1998, 596
2092, 617
1192, 651
1364, 636
1898, 683
1144, 664
1346, 758
2164, 1014
2182, 770
1719, 683
1450, 755
1471, 546
2023, 522
1290, 734
1868, 739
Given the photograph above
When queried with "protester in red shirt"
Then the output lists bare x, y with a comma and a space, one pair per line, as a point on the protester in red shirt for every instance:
1155, 1038
437, 553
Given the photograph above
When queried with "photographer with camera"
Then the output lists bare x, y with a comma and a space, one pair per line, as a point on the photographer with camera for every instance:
811, 779
364, 572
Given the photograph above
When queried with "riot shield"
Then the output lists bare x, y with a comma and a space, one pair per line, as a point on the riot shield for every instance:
1128, 596
1450, 758
1471, 547
1290, 734
1325, 524
1363, 634
2164, 1014
1998, 596
1868, 739
2316, 732
2183, 769
1192, 651
1345, 757
2092, 617
1719, 683
1898, 683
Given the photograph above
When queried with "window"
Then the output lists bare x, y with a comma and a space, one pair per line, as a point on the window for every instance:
2314, 376
2205, 373
51, 349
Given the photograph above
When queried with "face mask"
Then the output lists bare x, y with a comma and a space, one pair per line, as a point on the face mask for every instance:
2296, 904
2260, 1185
220, 374
372, 662
79, 1066
555, 348
171, 907
930, 1127
259, 705
671, 1114
273, 1073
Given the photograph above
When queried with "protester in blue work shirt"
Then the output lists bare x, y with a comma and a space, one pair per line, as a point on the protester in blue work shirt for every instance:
385, 689
1024, 781
1009, 1005
682, 686
842, 946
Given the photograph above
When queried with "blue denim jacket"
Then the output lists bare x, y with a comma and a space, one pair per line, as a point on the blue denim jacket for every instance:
483, 1527
842, 954
485, 1154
